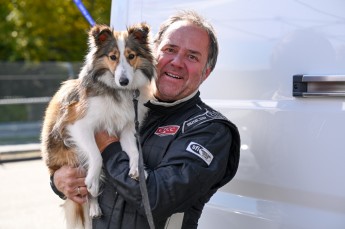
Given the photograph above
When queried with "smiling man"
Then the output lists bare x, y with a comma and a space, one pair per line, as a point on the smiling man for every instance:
182, 58
189, 149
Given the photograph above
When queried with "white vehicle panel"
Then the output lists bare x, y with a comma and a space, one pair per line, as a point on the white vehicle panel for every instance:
291, 172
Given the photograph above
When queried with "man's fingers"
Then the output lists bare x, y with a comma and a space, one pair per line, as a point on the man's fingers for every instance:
77, 193
72, 188
79, 199
81, 191
71, 181
75, 172
77, 182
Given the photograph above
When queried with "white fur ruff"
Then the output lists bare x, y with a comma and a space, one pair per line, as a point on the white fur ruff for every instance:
118, 120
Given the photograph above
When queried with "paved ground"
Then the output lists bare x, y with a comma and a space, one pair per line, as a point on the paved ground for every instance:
26, 200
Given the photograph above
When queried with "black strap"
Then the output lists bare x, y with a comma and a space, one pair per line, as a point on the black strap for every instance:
57, 192
142, 179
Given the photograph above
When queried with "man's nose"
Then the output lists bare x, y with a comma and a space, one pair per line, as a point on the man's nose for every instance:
177, 60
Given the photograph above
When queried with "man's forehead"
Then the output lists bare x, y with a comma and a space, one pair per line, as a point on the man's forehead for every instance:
179, 26
187, 34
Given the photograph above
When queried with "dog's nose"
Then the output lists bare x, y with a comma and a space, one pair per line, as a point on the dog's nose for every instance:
124, 81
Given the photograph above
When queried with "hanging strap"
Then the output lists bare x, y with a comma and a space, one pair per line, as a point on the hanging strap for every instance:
175, 221
142, 179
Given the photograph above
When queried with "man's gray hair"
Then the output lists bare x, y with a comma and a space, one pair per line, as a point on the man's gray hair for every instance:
196, 19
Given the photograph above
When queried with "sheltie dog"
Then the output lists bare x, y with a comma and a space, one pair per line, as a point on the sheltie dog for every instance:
118, 63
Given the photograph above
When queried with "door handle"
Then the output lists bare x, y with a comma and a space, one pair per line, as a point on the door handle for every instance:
318, 86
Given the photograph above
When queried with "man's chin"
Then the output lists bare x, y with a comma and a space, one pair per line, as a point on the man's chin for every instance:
166, 96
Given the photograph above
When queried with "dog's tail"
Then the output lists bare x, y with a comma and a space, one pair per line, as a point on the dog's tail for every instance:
77, 215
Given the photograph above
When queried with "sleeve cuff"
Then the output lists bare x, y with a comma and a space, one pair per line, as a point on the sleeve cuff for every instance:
56, 191
110, 150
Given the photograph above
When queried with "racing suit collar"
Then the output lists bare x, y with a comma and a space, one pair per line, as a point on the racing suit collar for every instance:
166, 108
166, 104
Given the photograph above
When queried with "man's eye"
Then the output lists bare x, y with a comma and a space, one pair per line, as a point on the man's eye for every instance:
169, 50
131, 56
193, 58
112, 57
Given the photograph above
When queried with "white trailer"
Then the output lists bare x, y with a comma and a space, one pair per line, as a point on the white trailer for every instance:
292, 166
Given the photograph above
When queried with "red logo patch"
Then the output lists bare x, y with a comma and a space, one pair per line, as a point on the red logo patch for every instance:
167, 130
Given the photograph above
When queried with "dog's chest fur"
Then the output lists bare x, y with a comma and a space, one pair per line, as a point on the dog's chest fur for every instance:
103, 112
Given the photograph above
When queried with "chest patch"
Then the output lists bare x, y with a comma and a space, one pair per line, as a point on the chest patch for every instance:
200, 151
205, 117
167, 130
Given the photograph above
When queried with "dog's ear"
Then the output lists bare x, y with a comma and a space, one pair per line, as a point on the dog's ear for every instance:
100, 34
139, 32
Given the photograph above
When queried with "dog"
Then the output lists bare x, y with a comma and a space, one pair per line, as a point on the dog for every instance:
100, 99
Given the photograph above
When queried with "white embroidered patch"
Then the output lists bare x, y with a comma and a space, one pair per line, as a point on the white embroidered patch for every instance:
200, 151
199, 119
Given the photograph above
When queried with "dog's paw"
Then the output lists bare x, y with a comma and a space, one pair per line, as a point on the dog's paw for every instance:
92, 186
134, 173
95, 210
134, 168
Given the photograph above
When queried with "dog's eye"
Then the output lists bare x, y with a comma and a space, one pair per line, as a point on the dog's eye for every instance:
112, 57
131, 56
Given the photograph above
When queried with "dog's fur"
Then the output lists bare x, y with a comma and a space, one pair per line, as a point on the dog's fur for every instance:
118, 62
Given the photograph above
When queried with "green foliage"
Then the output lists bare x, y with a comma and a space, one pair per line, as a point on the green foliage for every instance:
47, 30
9, 113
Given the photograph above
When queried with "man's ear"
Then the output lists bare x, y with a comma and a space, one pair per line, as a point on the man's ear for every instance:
206, 74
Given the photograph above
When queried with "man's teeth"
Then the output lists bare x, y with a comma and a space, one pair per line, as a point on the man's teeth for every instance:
173, 76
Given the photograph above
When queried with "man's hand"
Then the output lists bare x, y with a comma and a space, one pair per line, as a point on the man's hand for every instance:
71, 182
103, 139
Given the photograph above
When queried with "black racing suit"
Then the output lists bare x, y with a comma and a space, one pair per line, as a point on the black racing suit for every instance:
189, 151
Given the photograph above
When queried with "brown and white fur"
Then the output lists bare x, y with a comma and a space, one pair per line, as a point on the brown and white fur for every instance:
118, 62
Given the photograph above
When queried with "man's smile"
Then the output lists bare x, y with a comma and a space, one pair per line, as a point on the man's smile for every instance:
173, 75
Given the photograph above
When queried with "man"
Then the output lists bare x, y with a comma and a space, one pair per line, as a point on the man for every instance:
189, 149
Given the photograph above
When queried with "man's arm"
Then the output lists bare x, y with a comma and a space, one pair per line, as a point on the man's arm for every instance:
182, 178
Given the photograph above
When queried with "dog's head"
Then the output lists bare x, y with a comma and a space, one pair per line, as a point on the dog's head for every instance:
121, 59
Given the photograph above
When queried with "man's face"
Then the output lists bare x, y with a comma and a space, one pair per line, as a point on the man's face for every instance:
182, 56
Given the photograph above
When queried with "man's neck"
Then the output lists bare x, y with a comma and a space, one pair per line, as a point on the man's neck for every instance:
157, 101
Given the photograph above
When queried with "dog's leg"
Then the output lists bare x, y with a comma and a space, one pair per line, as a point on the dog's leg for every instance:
128, 144
88, 152
94, 210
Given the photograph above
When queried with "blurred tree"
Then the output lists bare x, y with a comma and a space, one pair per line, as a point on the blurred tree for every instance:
47, 30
